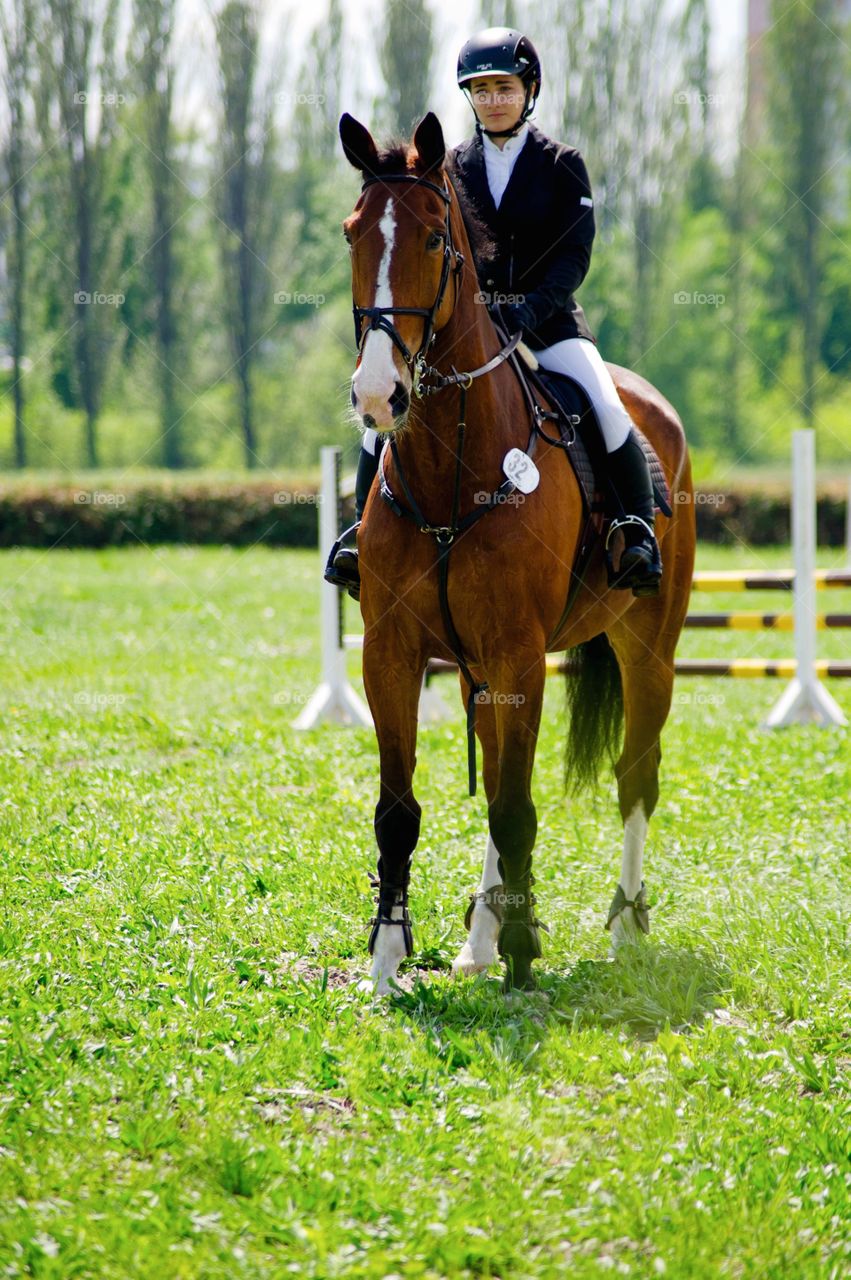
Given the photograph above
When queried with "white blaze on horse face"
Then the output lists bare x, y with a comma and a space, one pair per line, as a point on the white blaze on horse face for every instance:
624, 927
375, 378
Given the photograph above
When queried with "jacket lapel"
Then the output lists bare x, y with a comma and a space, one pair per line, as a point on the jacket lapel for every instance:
518, 181
476, 180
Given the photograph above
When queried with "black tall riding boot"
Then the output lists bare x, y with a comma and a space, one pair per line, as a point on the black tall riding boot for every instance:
343, 570
632, 552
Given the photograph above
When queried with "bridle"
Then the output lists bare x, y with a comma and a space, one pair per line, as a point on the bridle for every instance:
377, 316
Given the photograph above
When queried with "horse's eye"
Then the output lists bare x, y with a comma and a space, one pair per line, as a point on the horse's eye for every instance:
435, 240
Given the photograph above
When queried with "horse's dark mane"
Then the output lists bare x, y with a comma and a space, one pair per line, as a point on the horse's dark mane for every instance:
393, 157
479, 234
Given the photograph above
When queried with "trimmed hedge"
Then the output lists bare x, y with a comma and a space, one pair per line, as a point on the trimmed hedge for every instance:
763, 518
243, 513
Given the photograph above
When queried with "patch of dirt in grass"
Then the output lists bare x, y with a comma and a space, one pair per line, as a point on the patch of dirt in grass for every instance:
290, 965
277, 1106
306, 1100
306, 969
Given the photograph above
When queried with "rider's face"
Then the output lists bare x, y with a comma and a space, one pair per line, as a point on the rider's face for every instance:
497, 100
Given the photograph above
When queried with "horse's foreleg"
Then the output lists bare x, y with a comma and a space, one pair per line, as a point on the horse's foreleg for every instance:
485, 910
393, 693
517, 691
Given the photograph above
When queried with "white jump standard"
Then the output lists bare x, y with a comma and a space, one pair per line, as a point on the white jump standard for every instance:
805, 700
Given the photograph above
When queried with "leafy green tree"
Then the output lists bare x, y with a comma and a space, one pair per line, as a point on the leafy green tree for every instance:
315, 193
494, 14
807, 67
155, 66
82, 96
406, 57
248, 210
318, 102
17, 47
635, 128
835, 348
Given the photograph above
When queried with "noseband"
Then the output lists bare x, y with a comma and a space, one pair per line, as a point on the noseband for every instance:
377, 316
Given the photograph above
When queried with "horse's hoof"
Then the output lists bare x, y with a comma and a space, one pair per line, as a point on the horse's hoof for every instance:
625, 932
518, 976
377, 984
466, 964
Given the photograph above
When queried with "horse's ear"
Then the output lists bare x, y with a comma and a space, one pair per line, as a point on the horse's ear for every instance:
358, 144
428, 140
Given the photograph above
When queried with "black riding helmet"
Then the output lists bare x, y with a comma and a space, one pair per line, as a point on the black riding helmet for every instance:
502, 50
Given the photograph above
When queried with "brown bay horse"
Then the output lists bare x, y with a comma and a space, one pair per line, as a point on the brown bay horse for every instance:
507, 574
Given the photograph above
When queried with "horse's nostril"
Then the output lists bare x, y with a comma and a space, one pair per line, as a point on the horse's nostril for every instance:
399, 401
354, 397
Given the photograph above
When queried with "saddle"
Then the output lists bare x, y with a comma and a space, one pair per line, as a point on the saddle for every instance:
583, 441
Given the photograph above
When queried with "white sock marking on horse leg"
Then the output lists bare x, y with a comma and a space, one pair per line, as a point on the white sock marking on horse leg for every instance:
479, 951
624, 927
388, 953
490, 869
634, 835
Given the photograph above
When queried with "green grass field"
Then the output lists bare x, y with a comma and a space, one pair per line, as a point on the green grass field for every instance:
193, 1086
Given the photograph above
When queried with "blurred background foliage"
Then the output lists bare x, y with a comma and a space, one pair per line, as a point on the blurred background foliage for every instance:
222, 336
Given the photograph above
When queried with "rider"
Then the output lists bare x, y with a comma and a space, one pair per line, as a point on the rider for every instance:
542, 224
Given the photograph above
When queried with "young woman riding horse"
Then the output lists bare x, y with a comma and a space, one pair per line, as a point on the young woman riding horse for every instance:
488, 583
534, 198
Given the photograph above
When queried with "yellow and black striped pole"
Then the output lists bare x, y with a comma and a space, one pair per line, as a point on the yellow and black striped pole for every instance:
754, 621
771, 580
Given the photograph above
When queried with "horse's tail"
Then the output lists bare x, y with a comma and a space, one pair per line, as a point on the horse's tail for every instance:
595, 710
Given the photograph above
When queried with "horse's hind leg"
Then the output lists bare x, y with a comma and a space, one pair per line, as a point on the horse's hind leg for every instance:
393, 691
647, 677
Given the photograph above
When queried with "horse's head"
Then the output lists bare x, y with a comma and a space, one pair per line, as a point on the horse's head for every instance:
403, 255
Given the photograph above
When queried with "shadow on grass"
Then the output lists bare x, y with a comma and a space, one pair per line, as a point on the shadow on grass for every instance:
647, 988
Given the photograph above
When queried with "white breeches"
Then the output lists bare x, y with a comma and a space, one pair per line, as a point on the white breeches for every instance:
580, 359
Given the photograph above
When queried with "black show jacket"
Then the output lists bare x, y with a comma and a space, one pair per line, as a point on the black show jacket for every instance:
542, 230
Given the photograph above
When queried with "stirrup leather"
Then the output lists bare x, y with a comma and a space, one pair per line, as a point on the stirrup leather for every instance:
638, 904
